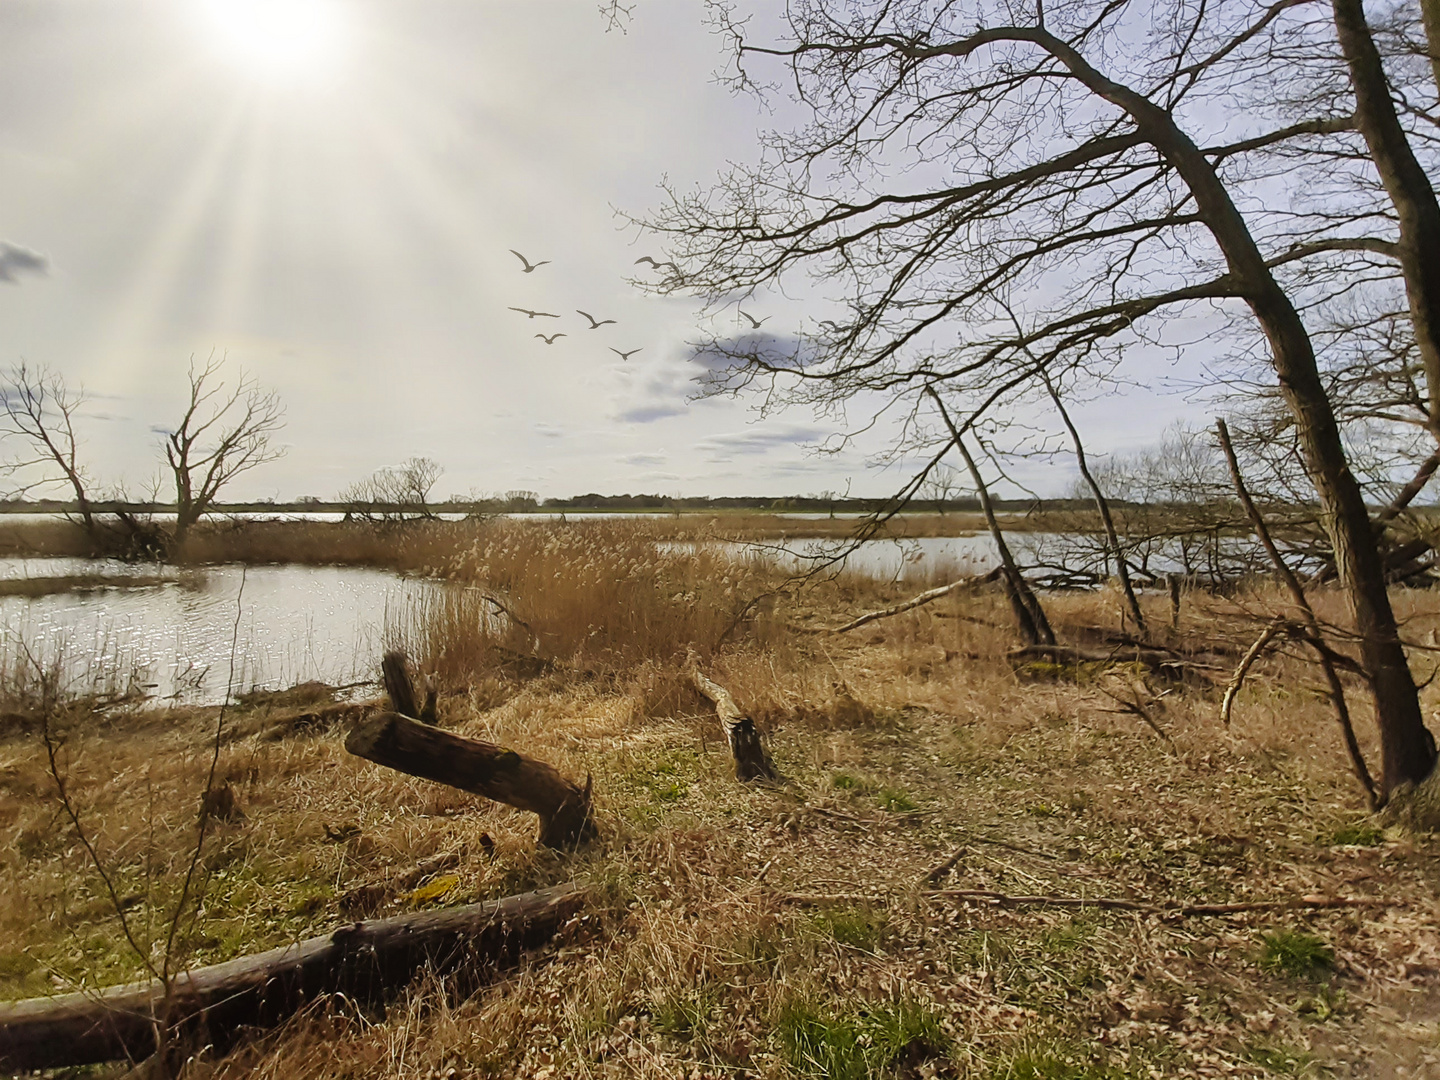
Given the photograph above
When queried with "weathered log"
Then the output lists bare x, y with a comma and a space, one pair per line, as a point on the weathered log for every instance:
363, 960
751, 760
482, 768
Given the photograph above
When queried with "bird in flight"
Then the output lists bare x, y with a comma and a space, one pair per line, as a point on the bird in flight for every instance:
656, 265
530, 267
595, 323
535, 314
549, 340
754, 322
624, 355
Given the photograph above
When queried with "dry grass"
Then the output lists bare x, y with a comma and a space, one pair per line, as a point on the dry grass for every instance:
901, 742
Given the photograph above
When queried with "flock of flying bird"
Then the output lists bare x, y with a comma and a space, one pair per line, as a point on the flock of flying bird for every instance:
529, 268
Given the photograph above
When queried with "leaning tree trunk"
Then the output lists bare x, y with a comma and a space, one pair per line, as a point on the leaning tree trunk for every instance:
1417, 210
1102, 504
1407, 750
1029, 615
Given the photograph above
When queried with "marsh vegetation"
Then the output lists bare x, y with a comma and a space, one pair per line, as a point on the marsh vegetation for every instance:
824, 926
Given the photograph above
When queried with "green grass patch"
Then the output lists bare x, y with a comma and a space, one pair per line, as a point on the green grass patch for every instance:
856, 1045
682, 1014
895, 800
1357, 834
1056, 1059
859, 928
1295, 952
1281, 1059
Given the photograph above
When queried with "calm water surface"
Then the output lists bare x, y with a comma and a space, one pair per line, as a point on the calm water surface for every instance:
290, 624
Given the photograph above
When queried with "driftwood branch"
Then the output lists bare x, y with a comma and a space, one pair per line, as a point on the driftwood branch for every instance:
482, 768
914, 602
363, 960
751, 760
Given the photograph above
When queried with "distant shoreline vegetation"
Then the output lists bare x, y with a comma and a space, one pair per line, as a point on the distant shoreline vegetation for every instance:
590, 503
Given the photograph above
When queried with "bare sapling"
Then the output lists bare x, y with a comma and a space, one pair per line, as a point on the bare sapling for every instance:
166, 1026
1313, 634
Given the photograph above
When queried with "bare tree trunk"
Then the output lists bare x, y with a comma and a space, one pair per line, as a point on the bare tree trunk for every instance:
1408, 750
1297, 592
1417, 210
1430, 13
408, 746
1029, 615
1103, 505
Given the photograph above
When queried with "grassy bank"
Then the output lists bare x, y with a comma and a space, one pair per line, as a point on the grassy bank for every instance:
792, 931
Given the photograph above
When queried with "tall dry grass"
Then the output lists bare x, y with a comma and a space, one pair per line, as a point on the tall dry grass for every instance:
604, 596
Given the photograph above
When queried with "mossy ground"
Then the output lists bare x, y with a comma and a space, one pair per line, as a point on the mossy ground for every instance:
785, 931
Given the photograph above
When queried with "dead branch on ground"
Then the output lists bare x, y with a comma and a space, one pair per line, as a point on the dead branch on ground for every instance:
925, 597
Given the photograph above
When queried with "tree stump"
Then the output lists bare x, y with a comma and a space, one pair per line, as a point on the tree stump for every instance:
751, 760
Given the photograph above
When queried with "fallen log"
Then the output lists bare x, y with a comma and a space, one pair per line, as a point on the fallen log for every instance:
751, 760
363, 960
915, 601
481, 768
1161, 661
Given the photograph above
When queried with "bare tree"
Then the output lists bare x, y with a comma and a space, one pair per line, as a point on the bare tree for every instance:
395, 492
224, 431
1050, 162
39, 410
415, 481
942, 485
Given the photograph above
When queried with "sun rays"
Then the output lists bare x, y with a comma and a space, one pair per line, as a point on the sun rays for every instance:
279, 38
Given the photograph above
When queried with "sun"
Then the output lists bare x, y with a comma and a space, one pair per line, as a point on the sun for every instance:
278, 38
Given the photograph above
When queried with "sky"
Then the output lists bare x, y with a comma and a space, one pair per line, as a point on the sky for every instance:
327, 193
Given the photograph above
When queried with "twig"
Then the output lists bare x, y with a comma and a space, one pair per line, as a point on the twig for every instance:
937, 873
1136, 708
181, 903
47, 704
